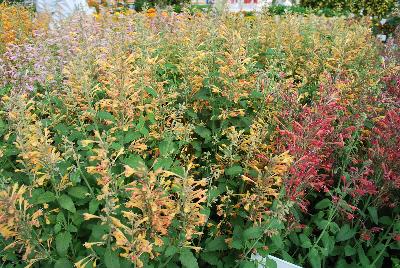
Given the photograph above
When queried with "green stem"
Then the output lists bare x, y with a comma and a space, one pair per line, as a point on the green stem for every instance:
384, 248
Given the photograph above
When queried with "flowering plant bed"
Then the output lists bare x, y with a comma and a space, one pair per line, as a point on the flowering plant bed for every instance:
165, 140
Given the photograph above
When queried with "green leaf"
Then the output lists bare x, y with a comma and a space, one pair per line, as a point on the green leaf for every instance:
170, 251
79, 192
111, 259
234, 170
203, 132
277, 240
374, 214
103, 115
314, 258
385, 220
93, 206
349, 251
136, 162
46, 197
66, 202
164, 163
323, 204
270, 263
305, 242
187, 259
248, 264
166, 147
252, 233
63, 240
345, 233
63, 263
363, 258
151, 91
212, 258
217, 244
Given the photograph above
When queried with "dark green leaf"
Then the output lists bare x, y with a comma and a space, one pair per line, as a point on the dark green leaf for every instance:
171, 250
305, 242
46, 197
111, 259
63, 240
66, 202
79, 192
349, 250
314, 258
374, 214
93, 206
234, 170
187, 259
217, 244
203, 132
361, 255
63, 263
252, 233
345, 233
323, 204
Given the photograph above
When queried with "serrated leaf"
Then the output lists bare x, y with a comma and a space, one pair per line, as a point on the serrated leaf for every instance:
111, 259
79, 192
216, 244
323, 204
345, 233
187, 259
277, 240
66, 202
171, 250
252, 233
63, 240
212, 258
234, 170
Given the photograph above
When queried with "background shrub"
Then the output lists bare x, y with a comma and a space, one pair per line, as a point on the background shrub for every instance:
377, 8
